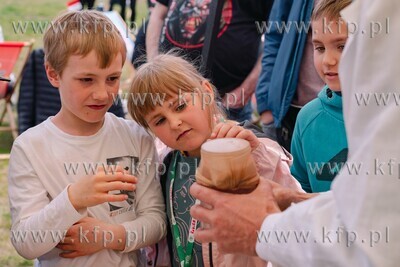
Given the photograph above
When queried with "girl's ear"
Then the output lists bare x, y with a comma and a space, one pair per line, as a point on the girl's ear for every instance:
52, 75
208, 88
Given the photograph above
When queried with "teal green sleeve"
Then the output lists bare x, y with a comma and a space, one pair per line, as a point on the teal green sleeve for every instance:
299, 167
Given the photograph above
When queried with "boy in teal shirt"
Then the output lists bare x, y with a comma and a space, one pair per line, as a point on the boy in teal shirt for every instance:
319, 145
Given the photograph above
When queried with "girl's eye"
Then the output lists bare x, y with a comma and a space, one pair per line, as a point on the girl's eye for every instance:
320, 48
341, 47
159, 121
181, 107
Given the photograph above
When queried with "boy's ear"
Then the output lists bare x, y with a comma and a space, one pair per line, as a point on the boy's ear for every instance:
207, 86
52, 75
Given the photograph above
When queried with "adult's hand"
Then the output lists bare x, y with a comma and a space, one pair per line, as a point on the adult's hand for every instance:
232, 219
239, 97
286, 196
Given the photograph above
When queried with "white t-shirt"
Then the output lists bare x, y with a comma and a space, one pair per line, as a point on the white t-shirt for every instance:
45, 160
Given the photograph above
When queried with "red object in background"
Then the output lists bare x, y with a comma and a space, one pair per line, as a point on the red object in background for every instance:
9, 54
74, 5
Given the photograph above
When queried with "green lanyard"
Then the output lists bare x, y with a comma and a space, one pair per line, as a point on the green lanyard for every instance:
184, 258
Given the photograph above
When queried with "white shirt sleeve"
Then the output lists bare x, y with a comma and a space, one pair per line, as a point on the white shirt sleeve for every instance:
304, 235
357, 223
38, 222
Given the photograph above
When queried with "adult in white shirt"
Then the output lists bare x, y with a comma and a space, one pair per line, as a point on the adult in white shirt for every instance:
357, 223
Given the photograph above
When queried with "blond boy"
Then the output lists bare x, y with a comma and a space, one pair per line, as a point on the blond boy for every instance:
84, 174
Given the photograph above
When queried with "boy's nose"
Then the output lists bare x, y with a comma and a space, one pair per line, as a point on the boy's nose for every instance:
100, 93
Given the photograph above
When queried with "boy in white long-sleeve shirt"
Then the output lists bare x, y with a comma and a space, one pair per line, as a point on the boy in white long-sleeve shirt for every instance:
84, 174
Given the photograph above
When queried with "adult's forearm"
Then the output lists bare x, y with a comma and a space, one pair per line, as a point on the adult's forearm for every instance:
154, 29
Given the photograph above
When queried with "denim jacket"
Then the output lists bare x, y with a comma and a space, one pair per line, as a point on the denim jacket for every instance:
283, 51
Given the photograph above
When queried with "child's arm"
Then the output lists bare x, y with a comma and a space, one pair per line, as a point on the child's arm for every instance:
147, 229
93, 190
150, 225
38, 221
33, 213
95, 236
271, 161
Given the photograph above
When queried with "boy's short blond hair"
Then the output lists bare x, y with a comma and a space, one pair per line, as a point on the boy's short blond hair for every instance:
329, 9
78, 33
166, 76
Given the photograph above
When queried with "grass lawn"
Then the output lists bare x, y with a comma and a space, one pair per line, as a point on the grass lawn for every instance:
24, 11
5, 142
41, 11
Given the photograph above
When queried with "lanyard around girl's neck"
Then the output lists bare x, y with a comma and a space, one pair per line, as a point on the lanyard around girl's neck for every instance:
184, 258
